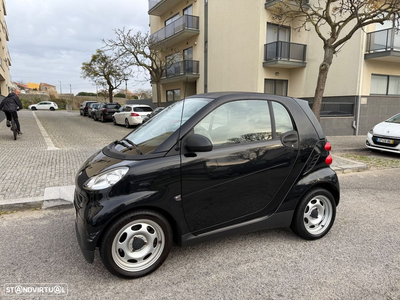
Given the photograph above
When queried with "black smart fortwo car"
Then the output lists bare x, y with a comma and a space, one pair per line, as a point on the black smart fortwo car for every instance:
209, 166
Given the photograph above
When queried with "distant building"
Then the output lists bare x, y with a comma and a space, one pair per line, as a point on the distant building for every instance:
5, 58
33, 86
45, 87
21, 86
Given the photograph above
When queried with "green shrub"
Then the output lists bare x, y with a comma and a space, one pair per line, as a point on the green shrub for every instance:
120, 95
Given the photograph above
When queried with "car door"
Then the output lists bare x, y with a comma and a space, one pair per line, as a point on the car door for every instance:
246, 168
118, 116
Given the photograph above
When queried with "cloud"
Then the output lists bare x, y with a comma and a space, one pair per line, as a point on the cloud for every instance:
49, 40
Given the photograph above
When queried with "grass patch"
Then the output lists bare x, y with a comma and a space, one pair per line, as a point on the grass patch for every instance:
7, 212
376, 161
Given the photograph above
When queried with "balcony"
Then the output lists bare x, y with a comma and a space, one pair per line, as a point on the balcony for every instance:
383, 45
159, 7
180, 30
284, 55
181, 71
290, 4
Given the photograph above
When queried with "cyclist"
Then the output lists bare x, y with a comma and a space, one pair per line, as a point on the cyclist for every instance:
10, 105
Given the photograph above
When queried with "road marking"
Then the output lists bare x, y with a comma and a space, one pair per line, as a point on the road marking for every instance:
47, 139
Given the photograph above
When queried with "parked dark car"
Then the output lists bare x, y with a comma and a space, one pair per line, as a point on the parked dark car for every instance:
230, 163
84, 107
149, 116
92, 108
105, 111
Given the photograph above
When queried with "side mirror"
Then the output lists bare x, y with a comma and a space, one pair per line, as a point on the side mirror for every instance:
198, 143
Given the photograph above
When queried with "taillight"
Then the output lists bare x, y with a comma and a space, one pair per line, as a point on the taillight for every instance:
328, 146
104, 109
328, 160
135, 115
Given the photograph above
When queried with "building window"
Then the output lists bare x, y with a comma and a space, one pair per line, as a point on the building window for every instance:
276, 87
173, 95
172, 19
277, 33
385, 85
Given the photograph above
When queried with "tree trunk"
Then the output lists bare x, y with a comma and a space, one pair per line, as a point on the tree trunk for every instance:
110, 94
321, 81
158, 85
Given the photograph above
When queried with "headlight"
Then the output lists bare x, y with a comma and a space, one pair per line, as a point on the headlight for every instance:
107, 179
371, 131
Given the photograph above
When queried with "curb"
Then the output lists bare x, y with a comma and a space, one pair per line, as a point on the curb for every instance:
53, 197
350, 166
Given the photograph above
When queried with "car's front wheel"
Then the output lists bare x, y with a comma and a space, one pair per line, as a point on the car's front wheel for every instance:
315, 214
127, 125
114, 122
136, 244
33, 108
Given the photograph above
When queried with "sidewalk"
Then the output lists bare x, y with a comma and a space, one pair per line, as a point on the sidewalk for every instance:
343, 144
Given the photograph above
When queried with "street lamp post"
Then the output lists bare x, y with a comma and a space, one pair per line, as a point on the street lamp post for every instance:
126, 87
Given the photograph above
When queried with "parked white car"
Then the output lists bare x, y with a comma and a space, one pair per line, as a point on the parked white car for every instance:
44, 105
385, 136
131, 114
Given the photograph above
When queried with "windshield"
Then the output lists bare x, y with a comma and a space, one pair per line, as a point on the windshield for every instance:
394, 119
155, 131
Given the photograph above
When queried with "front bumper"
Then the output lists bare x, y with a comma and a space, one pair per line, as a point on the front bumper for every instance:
80, 231
381, 147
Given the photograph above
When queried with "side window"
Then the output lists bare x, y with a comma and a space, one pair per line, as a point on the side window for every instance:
128, 108
283, 122
237, 122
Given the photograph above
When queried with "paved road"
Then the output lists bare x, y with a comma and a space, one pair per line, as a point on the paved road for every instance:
28, 167
358, 259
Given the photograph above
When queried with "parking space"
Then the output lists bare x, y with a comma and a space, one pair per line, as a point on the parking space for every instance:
28, 167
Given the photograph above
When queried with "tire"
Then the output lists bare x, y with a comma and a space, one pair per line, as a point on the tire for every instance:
102, 118
314, 215
80, 112
115, 123
127, 125
94, 117
33, 108
153, 237
52, 109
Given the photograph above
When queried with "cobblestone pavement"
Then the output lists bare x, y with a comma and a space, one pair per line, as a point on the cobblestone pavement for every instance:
27, 167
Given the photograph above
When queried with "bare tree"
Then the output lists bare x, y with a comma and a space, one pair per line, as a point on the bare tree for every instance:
106, 71
335, 22
137, 50
144, 93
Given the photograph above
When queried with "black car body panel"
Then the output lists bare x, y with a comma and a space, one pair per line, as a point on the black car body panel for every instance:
204, 195
105, 111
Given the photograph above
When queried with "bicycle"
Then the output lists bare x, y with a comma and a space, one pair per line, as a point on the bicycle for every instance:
14, 127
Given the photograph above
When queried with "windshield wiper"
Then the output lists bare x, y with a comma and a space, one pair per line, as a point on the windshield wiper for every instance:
134, 145
123, 144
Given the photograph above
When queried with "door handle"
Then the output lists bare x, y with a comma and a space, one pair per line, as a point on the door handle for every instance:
290, 139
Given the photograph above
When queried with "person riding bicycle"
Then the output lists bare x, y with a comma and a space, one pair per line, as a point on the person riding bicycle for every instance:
10, 105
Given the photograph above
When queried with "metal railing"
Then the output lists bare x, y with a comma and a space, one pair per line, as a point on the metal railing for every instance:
383, 40
184, 22
285, 51
270, 1
185, 67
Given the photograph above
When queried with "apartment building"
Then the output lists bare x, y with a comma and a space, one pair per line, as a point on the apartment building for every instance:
236, 45
5, 58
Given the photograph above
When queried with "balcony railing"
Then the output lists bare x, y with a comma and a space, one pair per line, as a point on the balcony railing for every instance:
185, 67
186, 22
285, 51
290, 3
383, 40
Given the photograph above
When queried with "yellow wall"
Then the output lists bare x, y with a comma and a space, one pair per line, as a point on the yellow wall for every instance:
33, 85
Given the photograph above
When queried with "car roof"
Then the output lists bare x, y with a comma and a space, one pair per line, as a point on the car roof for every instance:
137, 105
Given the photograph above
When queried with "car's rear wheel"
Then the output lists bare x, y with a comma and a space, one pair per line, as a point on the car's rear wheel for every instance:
127, 125
102, 118
315, 214
52, 109
136, 244
94, 117
33, 108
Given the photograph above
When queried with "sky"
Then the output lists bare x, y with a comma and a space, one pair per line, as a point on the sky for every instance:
50, 39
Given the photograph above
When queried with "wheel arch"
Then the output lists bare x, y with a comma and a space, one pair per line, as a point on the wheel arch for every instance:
176, 235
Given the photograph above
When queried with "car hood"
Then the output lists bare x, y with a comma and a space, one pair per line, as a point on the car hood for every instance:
387, 129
